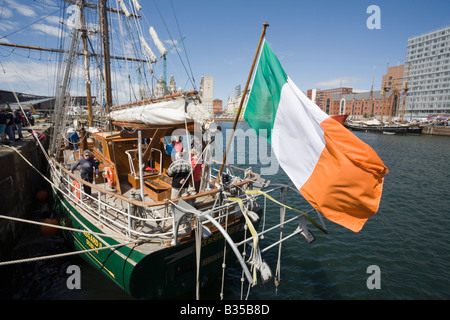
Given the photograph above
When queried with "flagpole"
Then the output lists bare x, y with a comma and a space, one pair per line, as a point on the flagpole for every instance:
265, 24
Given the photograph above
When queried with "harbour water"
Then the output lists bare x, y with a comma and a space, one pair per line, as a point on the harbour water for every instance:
408, 240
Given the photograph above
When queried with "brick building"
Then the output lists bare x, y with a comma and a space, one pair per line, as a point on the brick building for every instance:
217, 107
393, 78
359, 104
318, 96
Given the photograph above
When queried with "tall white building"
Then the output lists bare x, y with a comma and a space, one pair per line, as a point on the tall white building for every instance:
207, 92
233, 102
428, 56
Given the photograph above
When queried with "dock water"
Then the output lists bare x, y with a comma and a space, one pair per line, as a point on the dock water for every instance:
20, 184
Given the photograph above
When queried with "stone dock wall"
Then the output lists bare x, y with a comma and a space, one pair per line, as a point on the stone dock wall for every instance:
19, 185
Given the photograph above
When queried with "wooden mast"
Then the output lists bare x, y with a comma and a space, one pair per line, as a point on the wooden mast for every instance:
382, 103
392, 105
86, 64
406, 93
106, 54
371, 94
265, 24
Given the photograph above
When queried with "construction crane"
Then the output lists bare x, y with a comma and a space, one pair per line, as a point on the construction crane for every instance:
165, 59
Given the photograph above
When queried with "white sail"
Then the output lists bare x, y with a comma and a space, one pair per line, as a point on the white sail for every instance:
164, 113
158, 42
74, 20
159, 113
147, 48
124, 8
137, 6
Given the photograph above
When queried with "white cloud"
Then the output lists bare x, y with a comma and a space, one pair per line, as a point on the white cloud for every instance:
53, 19
337, 82
170, 43
50, 30
22, 9
6, 13
29, 77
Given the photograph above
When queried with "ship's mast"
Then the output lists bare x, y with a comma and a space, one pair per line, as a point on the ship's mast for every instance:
406, 93
86, 64
106, 54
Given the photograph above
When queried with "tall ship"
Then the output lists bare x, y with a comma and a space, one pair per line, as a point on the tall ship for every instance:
139, 193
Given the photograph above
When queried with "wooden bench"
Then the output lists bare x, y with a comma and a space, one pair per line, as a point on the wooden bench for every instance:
157, 188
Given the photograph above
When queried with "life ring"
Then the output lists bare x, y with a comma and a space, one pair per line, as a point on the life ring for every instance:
100, 129
110, 176
76, 189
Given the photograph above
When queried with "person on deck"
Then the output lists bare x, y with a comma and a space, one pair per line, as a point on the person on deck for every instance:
180, 171
74, 138
179, 145
196, 164
88, 167
169, 147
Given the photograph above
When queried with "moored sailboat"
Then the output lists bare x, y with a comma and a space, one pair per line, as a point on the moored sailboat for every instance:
128, 223
131, 227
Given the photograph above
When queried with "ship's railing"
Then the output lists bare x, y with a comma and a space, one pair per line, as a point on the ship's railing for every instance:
130, 216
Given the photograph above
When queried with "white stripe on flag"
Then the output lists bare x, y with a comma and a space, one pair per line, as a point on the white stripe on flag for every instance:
297, 138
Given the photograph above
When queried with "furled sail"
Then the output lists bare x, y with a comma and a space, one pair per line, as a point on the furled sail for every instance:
169, 112
158, 42
124, 8
149, 51
137, 6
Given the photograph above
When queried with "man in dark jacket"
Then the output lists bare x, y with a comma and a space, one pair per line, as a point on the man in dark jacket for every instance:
2, 124
18, 123
10, 124
180, 171
88, 166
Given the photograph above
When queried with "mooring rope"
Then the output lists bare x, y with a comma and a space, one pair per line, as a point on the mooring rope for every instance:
62, 254
65, 228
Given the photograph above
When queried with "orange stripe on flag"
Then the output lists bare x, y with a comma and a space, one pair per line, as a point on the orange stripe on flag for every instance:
347, 182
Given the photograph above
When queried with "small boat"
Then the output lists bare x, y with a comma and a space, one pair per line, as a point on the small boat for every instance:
340, 118
375, 126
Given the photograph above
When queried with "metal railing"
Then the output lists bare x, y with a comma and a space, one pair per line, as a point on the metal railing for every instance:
127, 216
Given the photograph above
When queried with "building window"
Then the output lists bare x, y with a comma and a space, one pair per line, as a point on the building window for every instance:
327, 110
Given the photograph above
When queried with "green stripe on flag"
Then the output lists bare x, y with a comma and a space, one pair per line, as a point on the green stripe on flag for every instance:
265, 93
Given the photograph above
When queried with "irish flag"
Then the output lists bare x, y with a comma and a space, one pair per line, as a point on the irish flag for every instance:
338, 174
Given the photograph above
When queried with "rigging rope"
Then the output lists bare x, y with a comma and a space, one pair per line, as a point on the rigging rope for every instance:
284, 205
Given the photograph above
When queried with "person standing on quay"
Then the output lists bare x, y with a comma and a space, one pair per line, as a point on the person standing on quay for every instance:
2, 124
9, 124
18, 123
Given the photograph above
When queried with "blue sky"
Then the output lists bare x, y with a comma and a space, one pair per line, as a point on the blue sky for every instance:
320, 43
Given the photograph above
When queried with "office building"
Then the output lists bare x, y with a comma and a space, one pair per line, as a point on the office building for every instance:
428, 61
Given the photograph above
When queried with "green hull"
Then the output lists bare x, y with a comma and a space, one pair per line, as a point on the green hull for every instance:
161, 274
